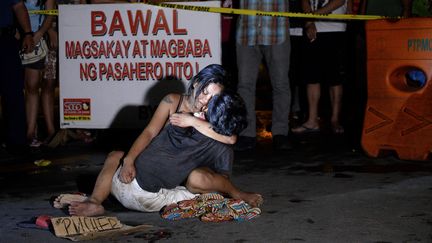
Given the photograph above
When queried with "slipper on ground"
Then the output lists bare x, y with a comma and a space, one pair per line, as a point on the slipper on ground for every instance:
338, 129
40, 222
304, 129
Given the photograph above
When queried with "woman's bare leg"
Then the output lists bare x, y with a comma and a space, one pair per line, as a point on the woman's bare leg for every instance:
313, 97
47, 100
93, 206
204, 180
32, 81
336, 93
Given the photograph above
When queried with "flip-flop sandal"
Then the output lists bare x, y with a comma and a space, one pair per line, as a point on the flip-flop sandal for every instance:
338, 129
42, 222
64, 200
253, 213
305, 130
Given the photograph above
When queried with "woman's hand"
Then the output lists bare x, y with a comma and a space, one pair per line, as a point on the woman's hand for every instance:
182, 120
127, 172
311, 31
28, 44
53, 39
37, 36
227, 4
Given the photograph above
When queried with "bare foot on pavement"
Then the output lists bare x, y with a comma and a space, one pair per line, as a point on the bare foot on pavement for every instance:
86, 208
64, 200
253, 199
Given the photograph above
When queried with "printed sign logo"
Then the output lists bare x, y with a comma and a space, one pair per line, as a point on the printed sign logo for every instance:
76, 109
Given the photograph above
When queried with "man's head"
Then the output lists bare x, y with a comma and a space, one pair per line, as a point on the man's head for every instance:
208, 82
227, 113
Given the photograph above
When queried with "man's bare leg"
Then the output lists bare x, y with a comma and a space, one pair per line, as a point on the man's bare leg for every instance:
336, 93
313, 97
204, 180
93, 206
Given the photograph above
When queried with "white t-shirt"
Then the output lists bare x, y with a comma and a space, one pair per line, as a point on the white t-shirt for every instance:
324, 25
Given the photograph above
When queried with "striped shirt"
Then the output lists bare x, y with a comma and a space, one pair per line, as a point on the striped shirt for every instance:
263, 30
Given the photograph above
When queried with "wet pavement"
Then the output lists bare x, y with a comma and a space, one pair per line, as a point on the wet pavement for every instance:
325, 190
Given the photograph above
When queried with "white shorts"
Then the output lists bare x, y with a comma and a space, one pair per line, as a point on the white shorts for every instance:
132, 196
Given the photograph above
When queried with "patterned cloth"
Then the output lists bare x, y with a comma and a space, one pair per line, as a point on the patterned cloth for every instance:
262, 30
210, 207
51, 65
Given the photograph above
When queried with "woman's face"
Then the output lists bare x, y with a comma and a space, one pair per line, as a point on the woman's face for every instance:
204, 97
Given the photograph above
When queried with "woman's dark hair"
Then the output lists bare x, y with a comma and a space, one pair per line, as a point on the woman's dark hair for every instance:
227, 113
213, 73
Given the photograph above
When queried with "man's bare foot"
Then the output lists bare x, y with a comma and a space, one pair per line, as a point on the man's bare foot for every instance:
253, 199
337, 128
86, 208
64, 200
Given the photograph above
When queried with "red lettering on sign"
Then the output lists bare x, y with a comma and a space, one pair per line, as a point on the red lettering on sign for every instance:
139, 21
136, 20
98, 26
117, 24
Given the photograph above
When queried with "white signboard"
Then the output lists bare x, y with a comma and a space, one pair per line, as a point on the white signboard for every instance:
117, 61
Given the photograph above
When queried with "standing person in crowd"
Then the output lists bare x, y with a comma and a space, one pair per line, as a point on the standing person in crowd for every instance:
421, 8
33, 72
11, 79
324, 62
391, 8
298, 101
258, 38
49, 82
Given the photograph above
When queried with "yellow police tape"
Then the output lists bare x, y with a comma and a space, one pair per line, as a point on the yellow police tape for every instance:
264, 13
44, 12
246, 12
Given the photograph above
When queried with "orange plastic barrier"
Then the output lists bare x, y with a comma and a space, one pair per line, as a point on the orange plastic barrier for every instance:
399, 108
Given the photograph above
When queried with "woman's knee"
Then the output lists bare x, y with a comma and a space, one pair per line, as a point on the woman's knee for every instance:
114, 157
199, 178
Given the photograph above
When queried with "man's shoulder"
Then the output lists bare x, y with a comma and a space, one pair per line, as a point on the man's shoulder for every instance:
173, 95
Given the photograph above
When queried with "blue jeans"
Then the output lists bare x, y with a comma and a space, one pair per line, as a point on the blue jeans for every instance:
277, 58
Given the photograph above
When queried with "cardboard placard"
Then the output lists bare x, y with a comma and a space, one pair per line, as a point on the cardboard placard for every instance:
79, 225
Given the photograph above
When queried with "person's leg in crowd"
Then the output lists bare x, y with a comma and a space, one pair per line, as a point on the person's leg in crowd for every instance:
338, 76
314, 95
313, 98
48, 93
336, 92
32, 80
278, 62
313, 60
294, 75
277, 59
248, 62
12, 96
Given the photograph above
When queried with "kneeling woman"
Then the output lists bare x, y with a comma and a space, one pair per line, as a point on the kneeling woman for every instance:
165, 156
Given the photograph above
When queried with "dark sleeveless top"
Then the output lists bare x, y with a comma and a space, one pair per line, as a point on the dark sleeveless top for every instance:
175, 152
